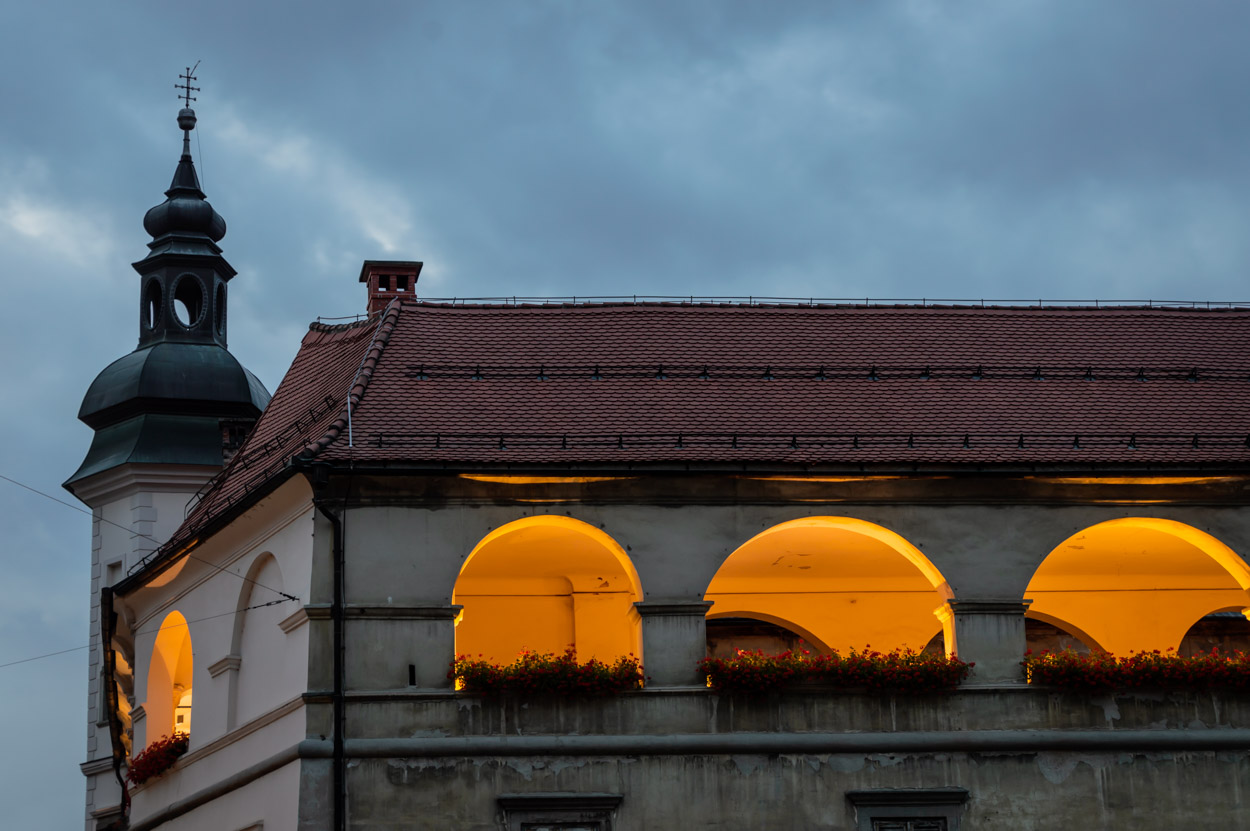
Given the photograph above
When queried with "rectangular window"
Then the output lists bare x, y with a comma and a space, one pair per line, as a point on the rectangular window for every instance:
906, 809
910, 824
559, 812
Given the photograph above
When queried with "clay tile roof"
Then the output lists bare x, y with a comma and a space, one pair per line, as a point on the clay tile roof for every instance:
687, 384
683, 383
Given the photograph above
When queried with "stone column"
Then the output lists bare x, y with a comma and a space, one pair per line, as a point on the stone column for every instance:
990, 633
674, 640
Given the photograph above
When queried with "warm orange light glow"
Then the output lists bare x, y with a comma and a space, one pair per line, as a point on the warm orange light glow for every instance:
1137, 584
828, 478
542, 480
169, 679
1135, 480
840, 583
543, 583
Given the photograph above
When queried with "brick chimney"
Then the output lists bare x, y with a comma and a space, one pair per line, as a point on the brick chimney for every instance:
389, 279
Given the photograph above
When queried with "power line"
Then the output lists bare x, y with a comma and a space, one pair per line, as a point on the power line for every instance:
150, 631
189, 555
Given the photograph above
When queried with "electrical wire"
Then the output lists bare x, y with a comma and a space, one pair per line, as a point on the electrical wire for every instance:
150, 631
91, 514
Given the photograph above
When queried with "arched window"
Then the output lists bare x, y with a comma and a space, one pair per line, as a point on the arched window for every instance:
168, 705
1136, 584
543, 584
260, 645
836, 582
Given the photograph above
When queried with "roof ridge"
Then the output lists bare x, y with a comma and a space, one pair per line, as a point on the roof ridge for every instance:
759, 302
386, 325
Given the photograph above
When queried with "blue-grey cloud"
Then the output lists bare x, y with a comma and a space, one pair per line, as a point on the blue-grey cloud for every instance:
908, 149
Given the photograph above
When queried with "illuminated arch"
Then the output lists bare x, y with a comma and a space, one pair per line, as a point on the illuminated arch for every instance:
1138, 583
544, 583
1075, 631
789, 625
847, 582
168, 705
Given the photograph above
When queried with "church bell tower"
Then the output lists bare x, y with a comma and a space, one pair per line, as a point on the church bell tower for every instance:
165, 418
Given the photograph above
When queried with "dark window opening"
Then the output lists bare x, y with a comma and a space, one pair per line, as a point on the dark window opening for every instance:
910, 824
188, 300
152, 304
221, 309
907, 809
559, 812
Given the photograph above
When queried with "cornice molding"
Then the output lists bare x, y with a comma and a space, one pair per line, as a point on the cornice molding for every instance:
293, 621
226, 664
124, 480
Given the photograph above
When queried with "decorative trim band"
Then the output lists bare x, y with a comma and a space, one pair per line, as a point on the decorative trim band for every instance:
226, 664
990, 606
294, 620
971, 741
97, 766
360, 610
908, 796
680, 608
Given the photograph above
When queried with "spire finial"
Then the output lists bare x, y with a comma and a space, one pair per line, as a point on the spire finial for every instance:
186, 87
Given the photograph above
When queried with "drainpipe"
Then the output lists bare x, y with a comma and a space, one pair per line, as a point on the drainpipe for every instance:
108, 625
336, 617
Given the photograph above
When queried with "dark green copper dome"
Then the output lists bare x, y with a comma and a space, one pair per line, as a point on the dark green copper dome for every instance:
175, 398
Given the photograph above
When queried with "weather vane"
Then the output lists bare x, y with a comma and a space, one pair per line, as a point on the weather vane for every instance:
186, 87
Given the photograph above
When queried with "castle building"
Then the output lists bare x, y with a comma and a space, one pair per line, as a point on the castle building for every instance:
668, 480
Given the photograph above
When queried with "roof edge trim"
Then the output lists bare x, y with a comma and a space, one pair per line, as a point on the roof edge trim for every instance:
386, 325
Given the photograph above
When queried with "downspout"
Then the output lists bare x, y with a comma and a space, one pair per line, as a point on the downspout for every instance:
339, 760
108, 624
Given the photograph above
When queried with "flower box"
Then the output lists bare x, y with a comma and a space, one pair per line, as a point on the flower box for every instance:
904, 672
157, 757
1160, 671
535, 674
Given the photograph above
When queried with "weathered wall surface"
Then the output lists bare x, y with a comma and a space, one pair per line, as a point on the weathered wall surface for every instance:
413, 555
1021, 792
1006, 747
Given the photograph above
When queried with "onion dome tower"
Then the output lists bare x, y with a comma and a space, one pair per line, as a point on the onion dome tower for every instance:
166, 419
180, 398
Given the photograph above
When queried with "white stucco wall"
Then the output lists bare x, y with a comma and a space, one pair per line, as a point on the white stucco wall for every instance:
250, 666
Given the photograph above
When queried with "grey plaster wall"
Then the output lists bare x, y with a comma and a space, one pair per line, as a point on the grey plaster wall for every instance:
1021, 792
413, 555
1109, 782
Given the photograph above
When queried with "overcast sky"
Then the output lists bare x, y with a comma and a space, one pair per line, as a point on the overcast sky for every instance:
967, 149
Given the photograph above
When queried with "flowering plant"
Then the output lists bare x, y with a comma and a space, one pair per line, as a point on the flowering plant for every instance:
901, 671
157, 757
546, 674
1103, 672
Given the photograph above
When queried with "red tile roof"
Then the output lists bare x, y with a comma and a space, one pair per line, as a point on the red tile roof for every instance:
679, 384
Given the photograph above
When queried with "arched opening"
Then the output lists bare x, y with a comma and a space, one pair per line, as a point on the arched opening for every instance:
220, 308
1137, 584
840, 583
1046, 633
168, 705
729, 633
188, 300
1226, 630
544, 583
259, 643
151, 304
